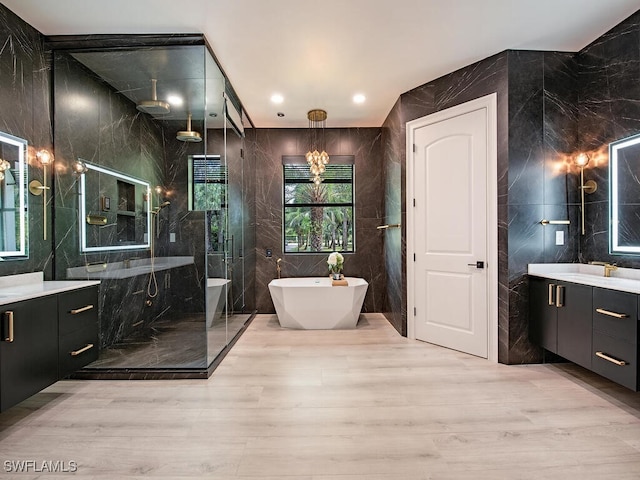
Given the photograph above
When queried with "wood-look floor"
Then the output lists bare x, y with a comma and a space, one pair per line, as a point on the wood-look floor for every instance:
365, 404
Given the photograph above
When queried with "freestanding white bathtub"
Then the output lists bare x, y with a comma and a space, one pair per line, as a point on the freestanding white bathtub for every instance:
216, 297
311, 303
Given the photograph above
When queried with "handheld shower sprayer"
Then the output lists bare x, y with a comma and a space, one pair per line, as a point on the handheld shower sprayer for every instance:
160, 207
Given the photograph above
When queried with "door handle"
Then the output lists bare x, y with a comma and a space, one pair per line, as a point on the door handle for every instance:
552, 297
478, 264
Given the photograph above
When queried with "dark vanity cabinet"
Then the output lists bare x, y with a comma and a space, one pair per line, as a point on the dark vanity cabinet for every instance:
596, 328
45, 339
560, 319
615, 336
78, 324
29, 349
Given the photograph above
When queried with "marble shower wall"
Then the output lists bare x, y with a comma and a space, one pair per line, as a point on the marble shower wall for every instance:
25, 97
266, 148
608, 110
97, 124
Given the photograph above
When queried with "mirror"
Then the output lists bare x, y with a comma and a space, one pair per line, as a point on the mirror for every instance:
13, 213
114, 210
624, 178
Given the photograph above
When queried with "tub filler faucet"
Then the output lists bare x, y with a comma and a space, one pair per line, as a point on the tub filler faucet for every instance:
278, 268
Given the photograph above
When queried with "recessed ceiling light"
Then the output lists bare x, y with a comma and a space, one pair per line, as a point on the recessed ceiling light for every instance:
277, 98
359, 98
280, 114
175, 100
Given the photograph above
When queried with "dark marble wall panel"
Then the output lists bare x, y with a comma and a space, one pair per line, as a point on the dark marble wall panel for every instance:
536, 132
558, 103
526, 190
249, 201
608, 110
482, 78
25, 79
187, 226
394, 152
266, 150
97, 124
526, 112
560, 127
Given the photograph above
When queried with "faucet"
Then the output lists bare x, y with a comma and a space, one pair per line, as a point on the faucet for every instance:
608, 267
278, 269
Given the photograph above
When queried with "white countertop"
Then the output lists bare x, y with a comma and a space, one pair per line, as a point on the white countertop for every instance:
118, 270
26, 286
622, 279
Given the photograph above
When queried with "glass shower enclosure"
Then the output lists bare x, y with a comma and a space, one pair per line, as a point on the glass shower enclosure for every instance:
149, 198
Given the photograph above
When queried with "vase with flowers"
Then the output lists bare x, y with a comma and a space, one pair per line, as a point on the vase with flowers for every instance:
335, 263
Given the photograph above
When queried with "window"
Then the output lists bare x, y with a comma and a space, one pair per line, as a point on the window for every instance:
209, 193
318, 218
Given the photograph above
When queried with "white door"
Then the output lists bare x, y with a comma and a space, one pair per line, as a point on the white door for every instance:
450, 163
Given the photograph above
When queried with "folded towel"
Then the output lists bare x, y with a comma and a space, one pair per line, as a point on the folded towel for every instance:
339, 283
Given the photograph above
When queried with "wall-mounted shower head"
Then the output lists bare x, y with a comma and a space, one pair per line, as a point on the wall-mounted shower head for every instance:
153, 106
188, 135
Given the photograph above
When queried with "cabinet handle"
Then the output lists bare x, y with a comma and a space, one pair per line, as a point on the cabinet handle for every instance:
82, 350
8, 315
606, 357
552, 300
611, 314
559, 294
80, 310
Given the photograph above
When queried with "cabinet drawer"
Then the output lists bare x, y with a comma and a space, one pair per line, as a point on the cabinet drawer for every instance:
616, 350
77, 309
77, 349
616, 314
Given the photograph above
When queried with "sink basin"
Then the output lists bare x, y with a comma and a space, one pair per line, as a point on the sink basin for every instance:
623, 279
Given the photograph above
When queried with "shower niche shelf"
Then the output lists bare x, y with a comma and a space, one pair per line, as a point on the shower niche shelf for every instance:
126, 213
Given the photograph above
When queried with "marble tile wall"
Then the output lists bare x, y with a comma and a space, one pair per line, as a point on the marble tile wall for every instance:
393, 151
266, 147
109, 131
536, 127
482, 78
25, 97
95, 123
608, 110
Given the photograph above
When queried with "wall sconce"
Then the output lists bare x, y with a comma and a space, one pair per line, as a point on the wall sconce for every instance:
582, 160
36, 188
4, 166
79, 167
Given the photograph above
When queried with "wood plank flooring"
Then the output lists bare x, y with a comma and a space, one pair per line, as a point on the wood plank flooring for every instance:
334, 405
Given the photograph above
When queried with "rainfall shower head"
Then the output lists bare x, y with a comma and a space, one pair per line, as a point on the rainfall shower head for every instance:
153, 106
188, 135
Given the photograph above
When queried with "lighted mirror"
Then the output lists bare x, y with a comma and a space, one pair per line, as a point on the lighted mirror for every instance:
624, 178
114, 210
13, 212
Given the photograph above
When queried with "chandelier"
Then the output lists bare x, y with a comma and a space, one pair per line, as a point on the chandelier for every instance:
317, 157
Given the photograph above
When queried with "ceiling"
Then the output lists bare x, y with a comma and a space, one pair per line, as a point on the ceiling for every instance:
319, 54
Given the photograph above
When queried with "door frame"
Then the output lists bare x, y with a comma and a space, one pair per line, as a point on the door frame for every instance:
488, 102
